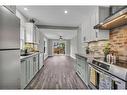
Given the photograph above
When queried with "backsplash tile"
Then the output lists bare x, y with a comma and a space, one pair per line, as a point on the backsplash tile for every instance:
118, 40
96, 47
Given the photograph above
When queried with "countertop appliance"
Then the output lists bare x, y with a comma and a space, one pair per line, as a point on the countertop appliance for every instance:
9, 50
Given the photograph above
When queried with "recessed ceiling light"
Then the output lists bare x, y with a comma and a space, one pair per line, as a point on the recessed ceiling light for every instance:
65, 11
26, 9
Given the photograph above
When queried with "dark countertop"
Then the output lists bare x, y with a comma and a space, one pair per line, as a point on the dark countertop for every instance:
24, 57
120, 63
88, 56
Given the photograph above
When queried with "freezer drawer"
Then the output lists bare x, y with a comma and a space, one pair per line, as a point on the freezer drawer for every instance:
9, 29
10, 69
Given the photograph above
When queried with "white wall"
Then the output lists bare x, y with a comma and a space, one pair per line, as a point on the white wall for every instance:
73, 47
86, 29
41, 46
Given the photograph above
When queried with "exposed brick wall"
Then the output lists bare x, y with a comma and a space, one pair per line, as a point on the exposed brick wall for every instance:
118, 40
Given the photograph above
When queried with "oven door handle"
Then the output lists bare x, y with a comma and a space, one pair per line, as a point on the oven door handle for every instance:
118, 82
114, 79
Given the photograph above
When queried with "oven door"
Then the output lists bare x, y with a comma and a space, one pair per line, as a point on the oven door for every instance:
99, 79
94, 78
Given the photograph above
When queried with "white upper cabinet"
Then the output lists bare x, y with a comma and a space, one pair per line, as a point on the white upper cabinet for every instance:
29, 32
87, 31
103, 13
32, 33
37, 37
94, 16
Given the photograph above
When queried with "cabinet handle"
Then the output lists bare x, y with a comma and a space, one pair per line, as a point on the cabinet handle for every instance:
79, 72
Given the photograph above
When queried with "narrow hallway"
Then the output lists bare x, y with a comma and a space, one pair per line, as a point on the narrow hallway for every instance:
58, 73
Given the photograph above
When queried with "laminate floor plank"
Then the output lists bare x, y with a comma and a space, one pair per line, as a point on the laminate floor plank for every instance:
58, 73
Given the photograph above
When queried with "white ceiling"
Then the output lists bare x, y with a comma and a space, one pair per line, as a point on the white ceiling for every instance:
55, 33
54, 15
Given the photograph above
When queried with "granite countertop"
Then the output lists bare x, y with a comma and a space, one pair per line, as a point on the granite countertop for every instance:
32, 54
88, 56
117, 69
119, 63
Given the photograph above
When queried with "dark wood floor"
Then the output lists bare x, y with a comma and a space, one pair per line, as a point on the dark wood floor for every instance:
58, 73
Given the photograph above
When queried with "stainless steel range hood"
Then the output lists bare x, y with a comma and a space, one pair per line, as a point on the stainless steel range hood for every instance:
116, 20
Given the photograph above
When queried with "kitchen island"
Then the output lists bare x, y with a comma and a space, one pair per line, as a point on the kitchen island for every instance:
100, 74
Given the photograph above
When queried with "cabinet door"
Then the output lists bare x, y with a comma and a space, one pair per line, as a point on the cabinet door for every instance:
82, 71
103, 14
31, 68
28, 70
37, 63
37, 35
29, 33
34, 65
40, 60
34, 34
23, 74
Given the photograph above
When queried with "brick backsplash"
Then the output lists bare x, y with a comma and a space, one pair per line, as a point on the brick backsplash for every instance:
96, 47
118, 40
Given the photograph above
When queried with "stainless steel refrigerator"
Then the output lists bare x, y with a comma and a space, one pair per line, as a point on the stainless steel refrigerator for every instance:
9, 50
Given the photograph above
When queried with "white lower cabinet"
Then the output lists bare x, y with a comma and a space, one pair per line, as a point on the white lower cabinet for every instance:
40, 60
23, 73
82, 68
35, 64
29, 68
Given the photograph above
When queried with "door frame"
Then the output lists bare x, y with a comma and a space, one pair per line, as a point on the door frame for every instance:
53, 47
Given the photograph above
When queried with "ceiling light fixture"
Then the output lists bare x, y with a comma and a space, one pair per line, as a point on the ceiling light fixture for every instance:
60, 38
26, 9
65, 11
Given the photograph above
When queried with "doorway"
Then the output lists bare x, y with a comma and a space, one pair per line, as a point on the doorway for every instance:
59, 48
